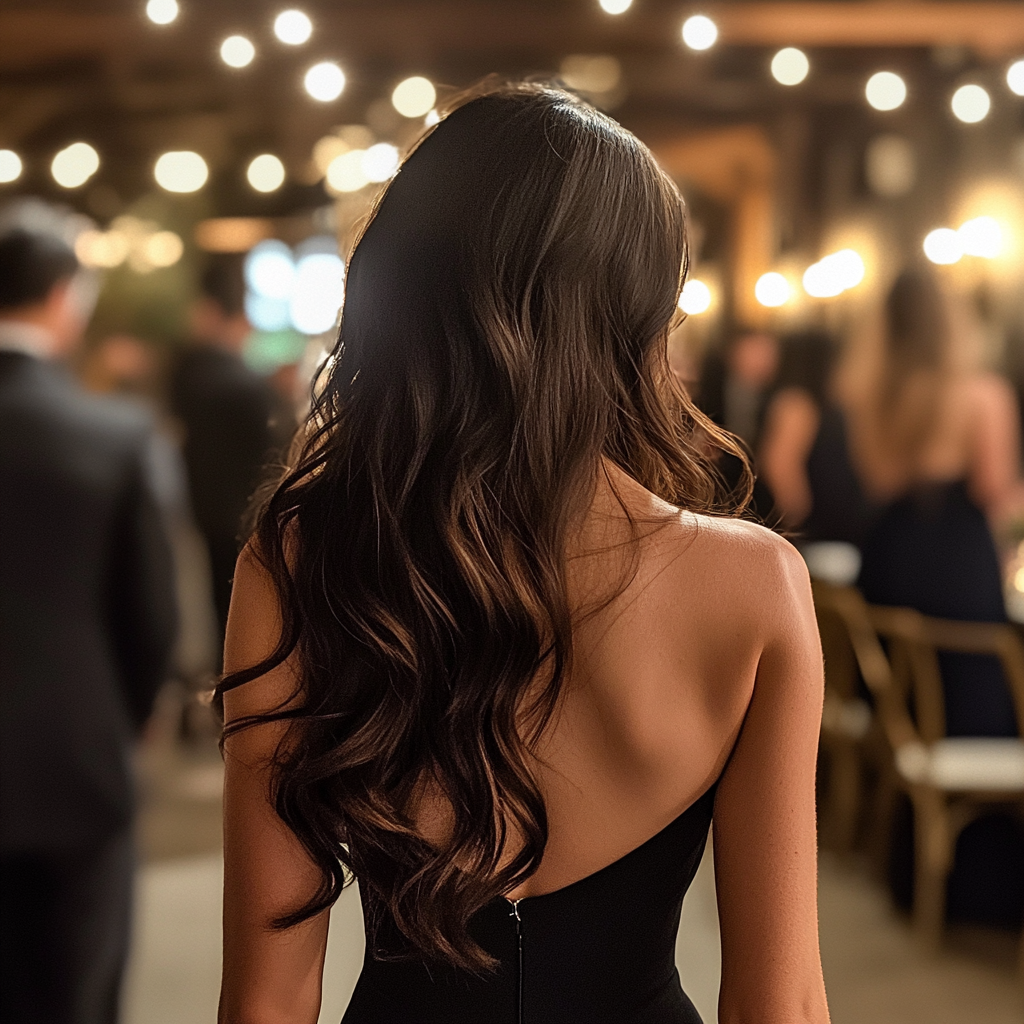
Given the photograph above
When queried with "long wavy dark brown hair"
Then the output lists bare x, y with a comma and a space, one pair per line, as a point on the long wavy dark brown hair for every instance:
504, 328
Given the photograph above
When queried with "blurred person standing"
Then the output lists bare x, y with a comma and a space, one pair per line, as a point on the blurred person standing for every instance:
234, 420
87, 628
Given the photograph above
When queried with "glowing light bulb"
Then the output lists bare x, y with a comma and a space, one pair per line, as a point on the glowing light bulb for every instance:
981, 236
265, 173
414, 97
237, 51
971, 104
325, 81
10, 166
772, 290
790, 66
162, 12
293, 27
379, 162
885, 90
699, 32
943, 246
615, 6
75, 165
181, 171
695, 298
1015, 77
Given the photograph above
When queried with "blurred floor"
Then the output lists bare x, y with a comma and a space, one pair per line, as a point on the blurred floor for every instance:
874, 971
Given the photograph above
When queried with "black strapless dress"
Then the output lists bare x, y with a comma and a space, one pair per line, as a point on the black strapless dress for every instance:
601, 949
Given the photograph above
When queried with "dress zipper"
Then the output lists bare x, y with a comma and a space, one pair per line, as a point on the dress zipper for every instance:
519, 942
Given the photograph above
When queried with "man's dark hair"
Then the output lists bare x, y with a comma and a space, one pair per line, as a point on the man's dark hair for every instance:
223, 282
31, 263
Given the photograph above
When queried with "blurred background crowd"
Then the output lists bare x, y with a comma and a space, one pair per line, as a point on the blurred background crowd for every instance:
180, 184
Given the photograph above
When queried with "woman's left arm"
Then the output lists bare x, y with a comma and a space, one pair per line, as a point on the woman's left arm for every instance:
270, 976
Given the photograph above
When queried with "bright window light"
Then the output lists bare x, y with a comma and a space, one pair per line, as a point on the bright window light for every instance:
885, 90
270, 270
414, 97
345, 173
237, 52
943, 246
616, 6
265, 173
695, 297
318, 292
380, 162
981, 236
971, 104
10, 166
699, 32
293, 27
1015, 77
772, 290
790, 66
325, 81
75, 165
162, 12
181, 171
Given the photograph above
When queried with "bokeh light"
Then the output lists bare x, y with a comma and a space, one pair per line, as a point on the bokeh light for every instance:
890, 165
10, 166
1015, 77
597, 73
834, 274
293, 27
75, 165
101, 249
414, 97
379, 162
971, 103
317, 292
616, 6
790, 66
695, 297
885, 90
772, 290
163, 248
433, 117
162, 12
981, 236
699, 32
345, 173
943, 246
270, 270
265, 173
325, 81
181, 171
237, 51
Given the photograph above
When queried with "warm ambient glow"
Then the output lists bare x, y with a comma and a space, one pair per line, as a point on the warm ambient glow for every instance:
616, 6
790, 66
695, 297
971, 104
162, 12
380, 162
591, 73
163, 249
75, 165
293, 27
181, 171
885, 90
237, 51
10, 166
834, 274
101, 249
943, 246
699, 32
345, 173
1015, 77
325, 82
772, 290
265, 173
981, 236
432, 118
414, 97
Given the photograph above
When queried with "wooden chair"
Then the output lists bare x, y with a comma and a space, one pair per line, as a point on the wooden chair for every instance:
950, 780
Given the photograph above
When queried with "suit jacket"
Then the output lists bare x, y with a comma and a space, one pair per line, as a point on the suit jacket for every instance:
87, 607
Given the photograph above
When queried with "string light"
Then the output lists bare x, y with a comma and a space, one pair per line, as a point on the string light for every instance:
981, 236
317, 292
163, 249
265, 173
345, 173
414, 97
379, 162
885, 90
325, 81
181, 171
790, 66
695, 297
772, 290
699, 32
1015, 77
615, 6
834, 274
10, 166
971, 104
943, 246
237, 51
293, 27
162, 12
75, 165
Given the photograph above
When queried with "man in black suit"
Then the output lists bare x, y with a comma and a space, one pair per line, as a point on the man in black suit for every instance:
87, 622
234, 422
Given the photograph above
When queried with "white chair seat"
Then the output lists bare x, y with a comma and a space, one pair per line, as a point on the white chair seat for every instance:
965, 763
850, 718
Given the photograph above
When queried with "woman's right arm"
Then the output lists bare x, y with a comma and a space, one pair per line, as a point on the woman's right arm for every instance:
765, 838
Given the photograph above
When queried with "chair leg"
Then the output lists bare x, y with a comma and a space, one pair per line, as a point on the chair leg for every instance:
879, 839
933, 855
